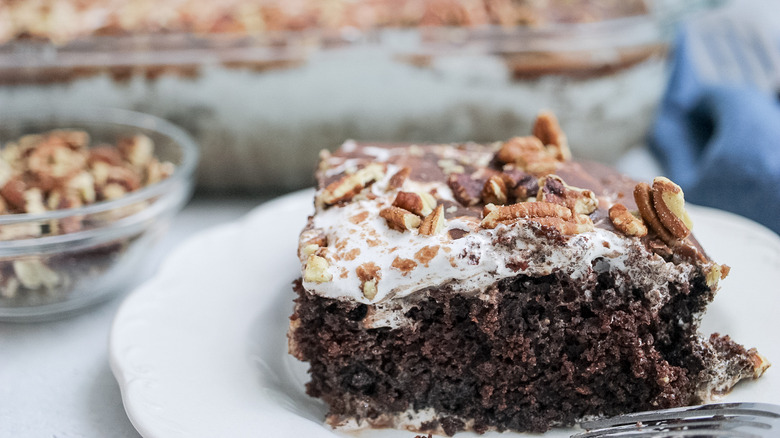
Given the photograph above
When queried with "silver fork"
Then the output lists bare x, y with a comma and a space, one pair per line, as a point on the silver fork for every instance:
735, 45
748, 420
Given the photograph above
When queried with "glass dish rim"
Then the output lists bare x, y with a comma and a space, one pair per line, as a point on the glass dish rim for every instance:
59, 119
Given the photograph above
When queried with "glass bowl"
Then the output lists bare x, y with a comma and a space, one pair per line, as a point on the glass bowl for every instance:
57, 262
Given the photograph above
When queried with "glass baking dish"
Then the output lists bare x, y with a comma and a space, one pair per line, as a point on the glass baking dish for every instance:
261, 106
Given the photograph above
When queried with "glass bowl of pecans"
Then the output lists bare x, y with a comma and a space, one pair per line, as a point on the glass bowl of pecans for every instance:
84, 195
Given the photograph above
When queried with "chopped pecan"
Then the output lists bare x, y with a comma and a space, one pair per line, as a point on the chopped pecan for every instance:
626, 222
495, 191
420, 204
369, 275
52, 163
138, 150
760, 363
104, 154
13, 193
466, 190
316, 270
553, 189
494, 215
400, 219
398, 178
716, 273
529, 154
409, 201
433, 223
669, 203
547, 129
348, 186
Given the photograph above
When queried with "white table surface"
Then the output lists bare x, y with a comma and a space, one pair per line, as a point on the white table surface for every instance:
55, 380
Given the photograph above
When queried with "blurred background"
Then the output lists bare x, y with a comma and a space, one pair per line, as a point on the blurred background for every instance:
686, 89
263, 85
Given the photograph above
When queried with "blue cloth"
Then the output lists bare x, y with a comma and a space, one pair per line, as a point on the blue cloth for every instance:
720, 142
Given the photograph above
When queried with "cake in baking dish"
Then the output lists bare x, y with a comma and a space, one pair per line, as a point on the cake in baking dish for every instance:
502, 287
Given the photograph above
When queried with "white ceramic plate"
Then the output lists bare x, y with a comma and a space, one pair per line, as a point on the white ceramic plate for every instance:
200, 350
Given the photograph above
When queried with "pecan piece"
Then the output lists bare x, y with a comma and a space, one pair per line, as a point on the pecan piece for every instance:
398, 179
669, 203
626, 222
348, 186
421, 204
369, 275
400, 219
316, 270
547, 129
529, 154
433, 223
552, 188
494, 215
495, 191
466, 190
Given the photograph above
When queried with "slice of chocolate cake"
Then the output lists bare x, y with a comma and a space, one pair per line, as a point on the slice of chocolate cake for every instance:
502, 287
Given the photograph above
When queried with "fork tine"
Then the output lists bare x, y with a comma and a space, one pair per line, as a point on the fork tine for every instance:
753, 409
676, 434
731, 424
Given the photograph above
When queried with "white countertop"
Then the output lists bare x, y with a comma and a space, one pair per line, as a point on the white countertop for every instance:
55, 379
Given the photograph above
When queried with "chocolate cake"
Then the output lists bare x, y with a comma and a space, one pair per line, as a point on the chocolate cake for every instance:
502, 287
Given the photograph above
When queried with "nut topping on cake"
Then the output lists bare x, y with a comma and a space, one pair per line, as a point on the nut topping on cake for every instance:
528, 153
553, 189
466, 190
317, 270
350, 185
495, 215
409, 201
369, 275
547, 129
494, 191
669, 204
643, 195
626, 222
433, 223
398, 179
400, 219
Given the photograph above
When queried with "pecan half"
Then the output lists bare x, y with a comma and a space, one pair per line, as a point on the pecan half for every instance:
669, 203
400, 219
494, 215
626, 222
643, 195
